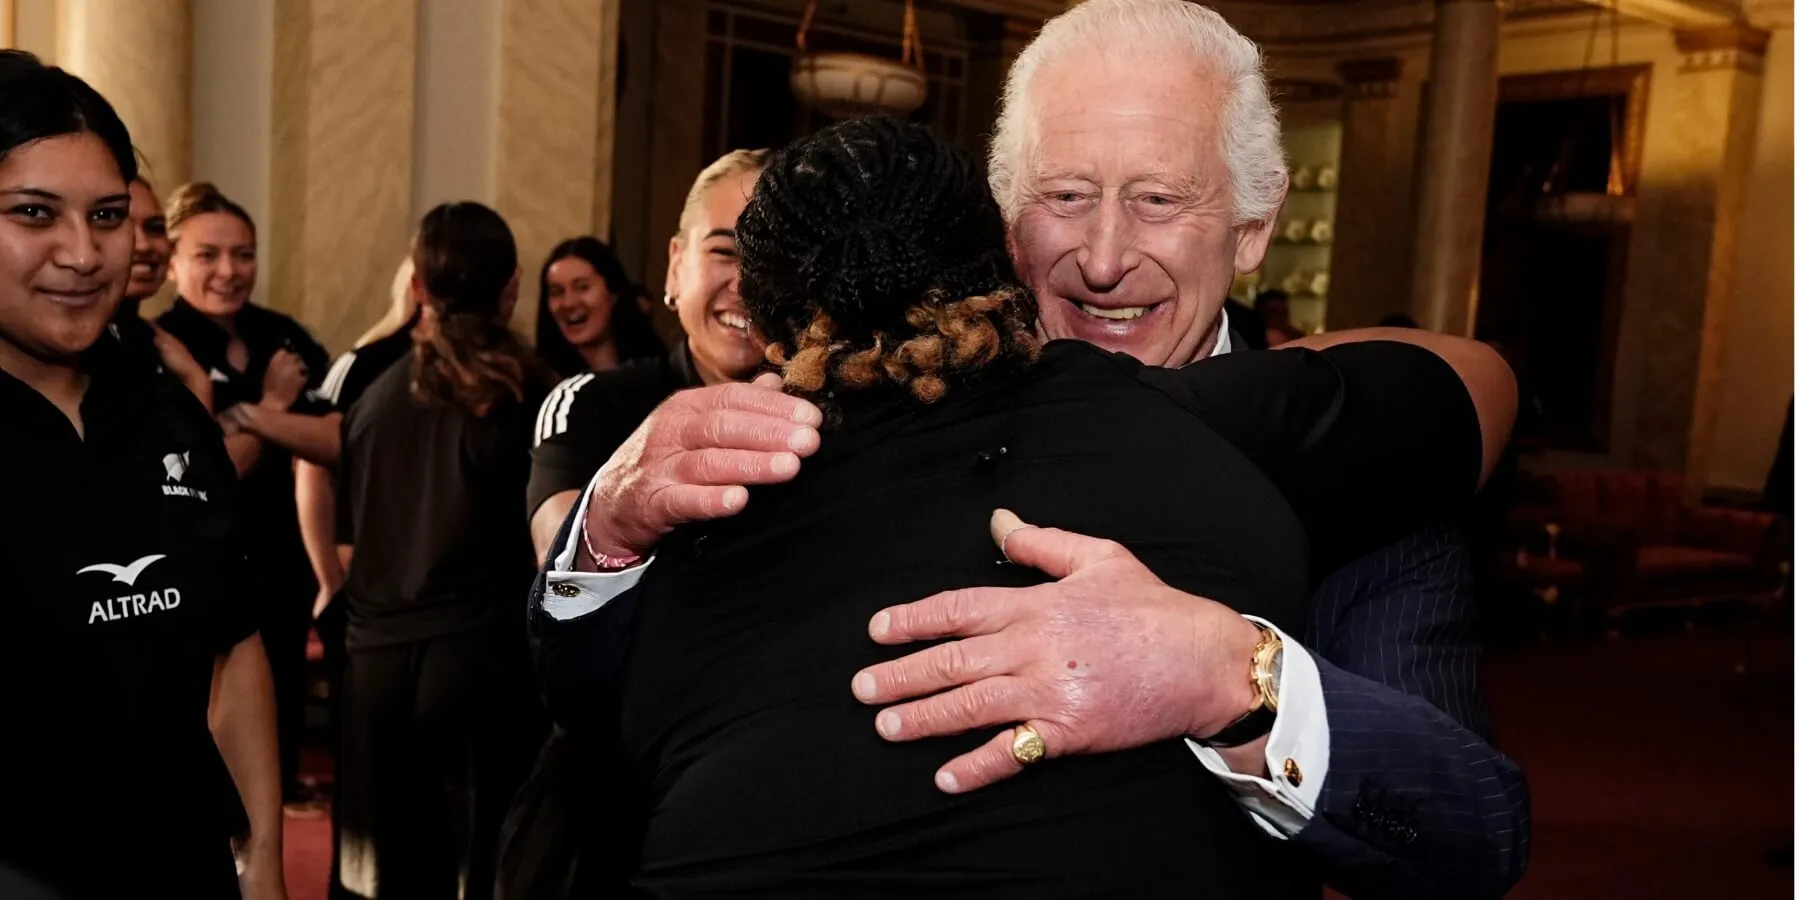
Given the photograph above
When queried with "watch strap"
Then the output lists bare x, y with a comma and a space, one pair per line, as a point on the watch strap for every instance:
1247, 728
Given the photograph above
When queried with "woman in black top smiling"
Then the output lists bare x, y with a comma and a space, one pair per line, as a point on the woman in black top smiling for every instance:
590, 313
874, 261
122, 590
264, 367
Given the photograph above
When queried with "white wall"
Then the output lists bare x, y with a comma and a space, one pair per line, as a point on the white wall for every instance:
234, 58
454, 117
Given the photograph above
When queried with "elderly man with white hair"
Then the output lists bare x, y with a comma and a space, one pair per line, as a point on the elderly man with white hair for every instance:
1138, 161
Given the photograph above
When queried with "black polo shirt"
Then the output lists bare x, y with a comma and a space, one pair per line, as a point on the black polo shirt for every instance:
352, 373
136, 335
122, 585
588, 416
429, 497
267, 516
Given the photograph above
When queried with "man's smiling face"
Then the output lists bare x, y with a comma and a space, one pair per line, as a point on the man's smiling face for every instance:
1127, 232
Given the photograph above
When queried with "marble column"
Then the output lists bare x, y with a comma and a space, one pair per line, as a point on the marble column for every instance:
1372, 233
1682, 268
1452, 191
139, 54
341, 160
554, 135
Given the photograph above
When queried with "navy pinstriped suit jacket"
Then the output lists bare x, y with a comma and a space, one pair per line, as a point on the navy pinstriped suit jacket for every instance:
1417, 802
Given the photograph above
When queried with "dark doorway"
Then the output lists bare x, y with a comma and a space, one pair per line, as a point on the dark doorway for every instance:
1559, 208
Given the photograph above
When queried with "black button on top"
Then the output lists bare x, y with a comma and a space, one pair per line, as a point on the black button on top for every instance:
987, 459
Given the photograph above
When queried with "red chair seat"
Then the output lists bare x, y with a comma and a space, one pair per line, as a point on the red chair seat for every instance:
1692, 561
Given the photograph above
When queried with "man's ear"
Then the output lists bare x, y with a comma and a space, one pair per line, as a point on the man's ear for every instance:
1253, 238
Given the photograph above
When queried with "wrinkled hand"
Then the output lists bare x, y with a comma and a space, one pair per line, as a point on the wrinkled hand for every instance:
284, 380
694, 458
1107, 658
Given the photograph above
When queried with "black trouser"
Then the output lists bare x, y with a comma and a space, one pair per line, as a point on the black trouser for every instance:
575, 825
331, 627
286, 619
202, 870
437, 736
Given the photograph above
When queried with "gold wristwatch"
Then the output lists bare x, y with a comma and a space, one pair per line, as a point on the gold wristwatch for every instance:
1265, 674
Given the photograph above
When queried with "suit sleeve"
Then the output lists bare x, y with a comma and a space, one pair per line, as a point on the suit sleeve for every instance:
1417, 802
581, 662
1368, 441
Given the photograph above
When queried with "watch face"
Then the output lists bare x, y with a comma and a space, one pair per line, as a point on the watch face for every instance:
1275, 666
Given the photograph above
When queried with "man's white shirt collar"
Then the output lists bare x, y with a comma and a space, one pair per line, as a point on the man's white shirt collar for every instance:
1222, 343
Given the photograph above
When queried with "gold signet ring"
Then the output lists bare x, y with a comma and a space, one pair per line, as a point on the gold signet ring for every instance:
1027, 744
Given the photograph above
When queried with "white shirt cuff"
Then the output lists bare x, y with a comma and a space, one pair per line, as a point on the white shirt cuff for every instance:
569, 594
1299, 746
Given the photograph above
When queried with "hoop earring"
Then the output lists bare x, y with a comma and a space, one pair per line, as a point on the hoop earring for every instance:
668, 301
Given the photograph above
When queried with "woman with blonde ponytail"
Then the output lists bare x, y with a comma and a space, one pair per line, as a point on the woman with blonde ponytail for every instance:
437, 700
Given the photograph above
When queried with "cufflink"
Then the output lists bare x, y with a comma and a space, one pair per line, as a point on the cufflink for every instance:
565, 589
1291, 771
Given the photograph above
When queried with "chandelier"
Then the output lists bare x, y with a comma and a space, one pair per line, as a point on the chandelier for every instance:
842, 85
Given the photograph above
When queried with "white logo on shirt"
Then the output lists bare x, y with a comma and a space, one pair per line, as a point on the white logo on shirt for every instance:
130, 605
127, 574
176, 464
553, 416
218, 376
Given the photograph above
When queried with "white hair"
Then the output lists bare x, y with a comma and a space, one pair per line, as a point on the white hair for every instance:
1249, 133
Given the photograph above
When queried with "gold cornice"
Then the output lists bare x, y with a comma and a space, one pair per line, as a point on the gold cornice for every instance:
1731, 47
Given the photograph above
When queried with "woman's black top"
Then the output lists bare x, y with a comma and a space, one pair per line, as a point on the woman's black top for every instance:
122, 586
429, 496
351, 374
586, 417
1230, 479
267, 518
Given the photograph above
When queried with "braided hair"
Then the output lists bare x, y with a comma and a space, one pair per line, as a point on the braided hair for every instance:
872, 253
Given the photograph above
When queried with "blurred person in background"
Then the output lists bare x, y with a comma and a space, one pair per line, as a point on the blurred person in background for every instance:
591, 316
264, 367
1273, 316
149, 272
440, 717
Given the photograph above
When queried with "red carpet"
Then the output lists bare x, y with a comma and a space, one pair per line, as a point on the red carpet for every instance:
1656, 772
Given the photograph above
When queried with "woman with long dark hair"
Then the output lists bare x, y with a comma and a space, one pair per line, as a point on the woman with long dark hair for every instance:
590, 313
124, 589
440, 719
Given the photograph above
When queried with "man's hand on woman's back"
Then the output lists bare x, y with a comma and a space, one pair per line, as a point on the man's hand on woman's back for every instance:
694, 459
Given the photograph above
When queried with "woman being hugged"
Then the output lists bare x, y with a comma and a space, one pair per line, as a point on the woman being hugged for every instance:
874, 261
124, 589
